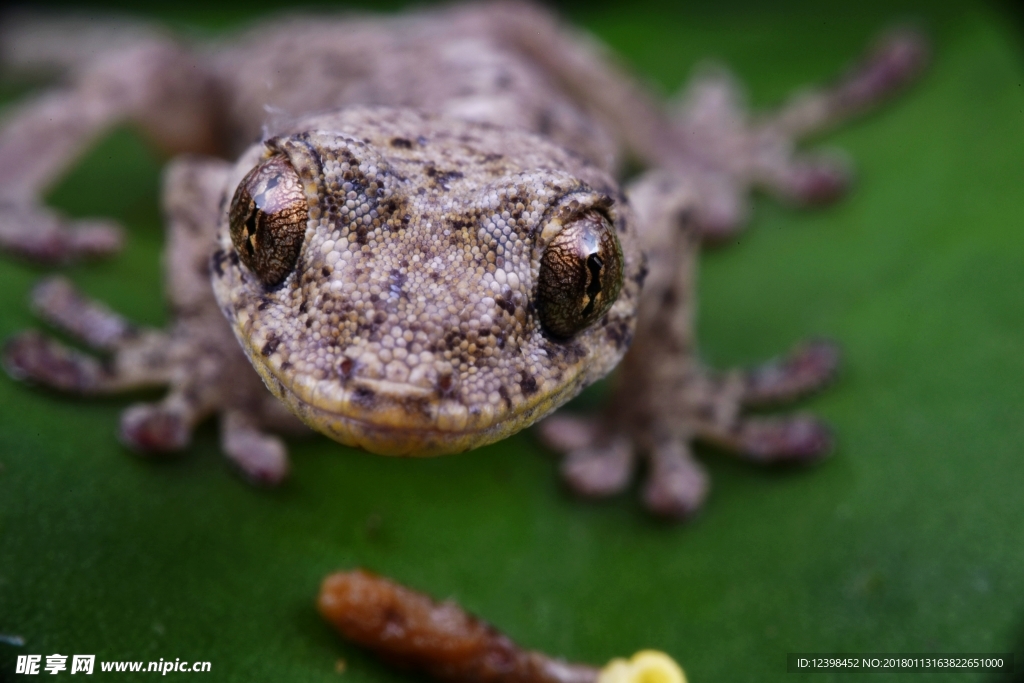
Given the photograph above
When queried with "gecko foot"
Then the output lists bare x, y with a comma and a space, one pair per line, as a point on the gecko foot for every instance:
660, 425
737, 150
203, 377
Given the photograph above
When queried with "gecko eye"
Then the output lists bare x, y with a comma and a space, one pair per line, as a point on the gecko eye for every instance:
580, 275
268, 219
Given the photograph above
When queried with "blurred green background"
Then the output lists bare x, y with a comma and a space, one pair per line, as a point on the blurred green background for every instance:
908, 540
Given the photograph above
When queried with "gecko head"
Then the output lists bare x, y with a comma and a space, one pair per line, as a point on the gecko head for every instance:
414, 285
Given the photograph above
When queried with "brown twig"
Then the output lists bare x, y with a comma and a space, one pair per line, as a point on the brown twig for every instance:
410, 630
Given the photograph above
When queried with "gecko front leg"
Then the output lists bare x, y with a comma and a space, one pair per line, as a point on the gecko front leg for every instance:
197, 359
666, 398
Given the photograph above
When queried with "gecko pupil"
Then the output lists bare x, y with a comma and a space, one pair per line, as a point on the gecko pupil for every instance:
250, 236
594, 265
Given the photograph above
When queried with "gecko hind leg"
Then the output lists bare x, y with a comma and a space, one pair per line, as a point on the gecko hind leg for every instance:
731, 151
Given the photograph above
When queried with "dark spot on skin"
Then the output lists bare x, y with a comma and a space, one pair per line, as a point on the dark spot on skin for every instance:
401, 143
264, 304
565, 354
493, 156
421, 140
445, 385
528, 385
503, 392
325, 271
641, 275
442, 178
286, 365
217, 262
416, 405
303, 307
668, 298
364, 396
619, 334
346, 367
270, 346
505, 304
233, 258
396, 281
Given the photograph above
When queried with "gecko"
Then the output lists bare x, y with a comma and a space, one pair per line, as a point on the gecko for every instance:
419, 231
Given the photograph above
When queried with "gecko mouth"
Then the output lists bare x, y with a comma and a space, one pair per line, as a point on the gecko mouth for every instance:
399, 419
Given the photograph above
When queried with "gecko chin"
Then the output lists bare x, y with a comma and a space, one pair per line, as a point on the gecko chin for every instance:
398, 419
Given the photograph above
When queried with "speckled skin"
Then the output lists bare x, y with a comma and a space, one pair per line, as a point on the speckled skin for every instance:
408, 326
409, 323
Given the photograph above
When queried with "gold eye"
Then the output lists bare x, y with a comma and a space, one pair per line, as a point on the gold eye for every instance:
580, 275
268, 220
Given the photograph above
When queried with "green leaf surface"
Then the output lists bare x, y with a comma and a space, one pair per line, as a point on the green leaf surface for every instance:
908, 540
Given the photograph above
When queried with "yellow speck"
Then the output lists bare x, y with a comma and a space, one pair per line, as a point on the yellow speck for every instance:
646, 666
340, 666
